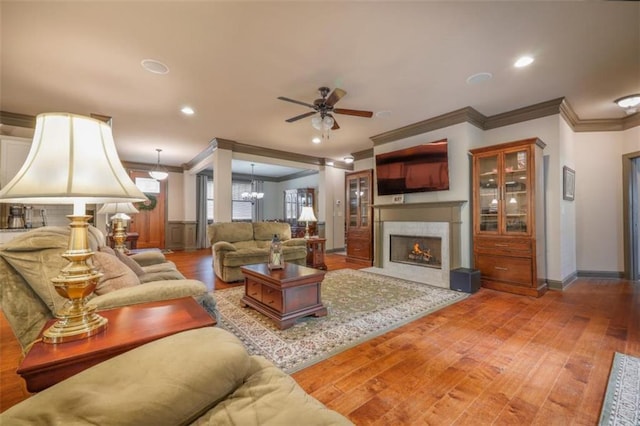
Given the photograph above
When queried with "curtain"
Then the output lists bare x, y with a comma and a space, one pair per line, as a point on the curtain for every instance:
201, 212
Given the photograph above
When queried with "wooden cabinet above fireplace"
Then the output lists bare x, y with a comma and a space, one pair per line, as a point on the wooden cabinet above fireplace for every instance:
508, 217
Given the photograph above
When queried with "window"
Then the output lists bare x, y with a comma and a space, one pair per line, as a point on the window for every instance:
241, 210
210, 200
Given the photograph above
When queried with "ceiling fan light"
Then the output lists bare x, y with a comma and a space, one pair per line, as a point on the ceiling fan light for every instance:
316, 122
327, 123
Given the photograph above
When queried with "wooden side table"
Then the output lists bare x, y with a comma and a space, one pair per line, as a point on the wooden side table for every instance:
315, 253
129, 327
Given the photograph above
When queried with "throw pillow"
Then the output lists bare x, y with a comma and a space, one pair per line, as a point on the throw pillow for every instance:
116, 274
132, 264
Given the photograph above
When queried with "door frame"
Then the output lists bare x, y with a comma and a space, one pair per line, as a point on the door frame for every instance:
631, 215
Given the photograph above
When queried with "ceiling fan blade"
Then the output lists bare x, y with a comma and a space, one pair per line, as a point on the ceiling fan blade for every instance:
335, 96
300, 117
355, 112
282, 98
335, 124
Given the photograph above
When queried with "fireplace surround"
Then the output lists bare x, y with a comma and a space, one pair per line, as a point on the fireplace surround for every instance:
442, 220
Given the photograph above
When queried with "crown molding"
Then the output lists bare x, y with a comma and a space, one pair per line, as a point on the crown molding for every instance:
144, 167
18, 120
463, 115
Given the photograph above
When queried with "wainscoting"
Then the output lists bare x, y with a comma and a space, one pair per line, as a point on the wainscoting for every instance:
181, 235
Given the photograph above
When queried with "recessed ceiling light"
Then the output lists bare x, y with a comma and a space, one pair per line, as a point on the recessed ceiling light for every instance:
523, 61
348, 159
479, 77
187, 110
154, 66
316, 139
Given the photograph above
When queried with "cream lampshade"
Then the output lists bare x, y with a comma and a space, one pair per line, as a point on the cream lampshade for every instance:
119, 222
307, 216
73, 160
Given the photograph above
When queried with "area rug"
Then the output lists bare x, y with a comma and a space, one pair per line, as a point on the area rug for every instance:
360, 305
622, 400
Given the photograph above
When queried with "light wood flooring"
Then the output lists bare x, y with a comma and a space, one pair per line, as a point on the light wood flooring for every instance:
493, 358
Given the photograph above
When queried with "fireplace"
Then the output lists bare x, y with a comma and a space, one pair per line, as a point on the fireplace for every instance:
435, 226
416, 250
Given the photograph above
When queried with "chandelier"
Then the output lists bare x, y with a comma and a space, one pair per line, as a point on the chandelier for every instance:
254, 194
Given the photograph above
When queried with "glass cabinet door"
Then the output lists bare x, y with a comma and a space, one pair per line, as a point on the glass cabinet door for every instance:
516, 185
488, 193
363, 196
353, 203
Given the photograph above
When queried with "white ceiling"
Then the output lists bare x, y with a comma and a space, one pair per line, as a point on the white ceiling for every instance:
231, 60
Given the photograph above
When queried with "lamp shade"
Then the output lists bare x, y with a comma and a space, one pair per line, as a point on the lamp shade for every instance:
118, 208
307, 215
73, 159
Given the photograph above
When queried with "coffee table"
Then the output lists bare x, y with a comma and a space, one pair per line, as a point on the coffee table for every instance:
131, 326
283, 295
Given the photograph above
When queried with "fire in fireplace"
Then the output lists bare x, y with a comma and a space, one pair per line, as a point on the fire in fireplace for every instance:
416, 250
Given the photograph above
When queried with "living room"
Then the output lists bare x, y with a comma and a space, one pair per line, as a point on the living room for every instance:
588, 233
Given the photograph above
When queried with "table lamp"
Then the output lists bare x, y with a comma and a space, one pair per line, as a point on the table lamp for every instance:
118, 222
73, 160
307, 216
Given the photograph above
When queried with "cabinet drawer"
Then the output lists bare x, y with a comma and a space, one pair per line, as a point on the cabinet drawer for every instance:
254, 290
359, 248
508, 245
515, 270
272, 298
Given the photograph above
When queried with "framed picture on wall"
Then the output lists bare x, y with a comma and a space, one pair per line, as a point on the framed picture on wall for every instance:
568, 183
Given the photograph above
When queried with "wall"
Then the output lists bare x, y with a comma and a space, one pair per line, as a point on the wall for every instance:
461, 138
599, 222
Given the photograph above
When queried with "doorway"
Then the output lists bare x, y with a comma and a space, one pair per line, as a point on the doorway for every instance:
631, 213
149, 223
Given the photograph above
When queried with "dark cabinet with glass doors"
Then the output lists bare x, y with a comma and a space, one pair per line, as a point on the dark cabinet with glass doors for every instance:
359, 211
508, 217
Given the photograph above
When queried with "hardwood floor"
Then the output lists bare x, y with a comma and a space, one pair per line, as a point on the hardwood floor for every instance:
493, 358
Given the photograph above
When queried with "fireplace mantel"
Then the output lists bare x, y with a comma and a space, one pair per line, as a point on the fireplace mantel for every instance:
439, 211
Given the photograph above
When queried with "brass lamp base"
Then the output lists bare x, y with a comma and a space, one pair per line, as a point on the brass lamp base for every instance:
77, 280
119, 235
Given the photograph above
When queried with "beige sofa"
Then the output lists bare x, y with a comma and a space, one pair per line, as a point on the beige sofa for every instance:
201, 377
31, 260
237, 244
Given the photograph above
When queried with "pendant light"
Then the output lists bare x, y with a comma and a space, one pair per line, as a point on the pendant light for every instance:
159, 173
254, 194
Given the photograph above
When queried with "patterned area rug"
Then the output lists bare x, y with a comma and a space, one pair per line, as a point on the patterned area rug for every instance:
360, 305
622, 400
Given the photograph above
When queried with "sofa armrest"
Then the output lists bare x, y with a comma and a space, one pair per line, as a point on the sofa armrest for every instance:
295, 242
149, 292
147, 258
223, 246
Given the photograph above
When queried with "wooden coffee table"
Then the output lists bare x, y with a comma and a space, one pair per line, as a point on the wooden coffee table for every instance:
283, 295
131, 326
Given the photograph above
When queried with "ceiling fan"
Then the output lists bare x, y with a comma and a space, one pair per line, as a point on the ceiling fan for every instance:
325, 106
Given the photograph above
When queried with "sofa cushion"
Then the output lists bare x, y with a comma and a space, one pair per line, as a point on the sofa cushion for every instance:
245, 257
266, 230
149, 257
270, 397
171, 381
116, 275
131, 264
231, 232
